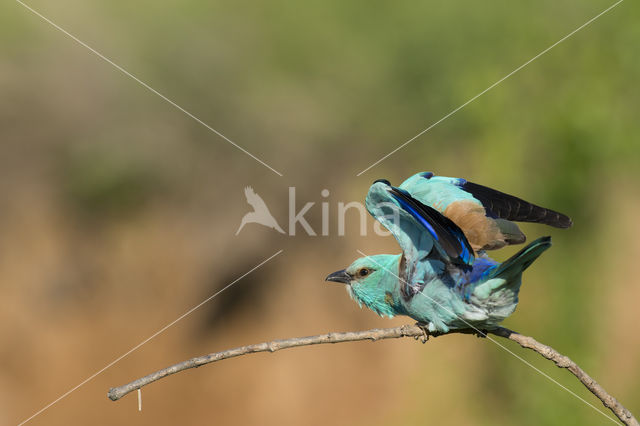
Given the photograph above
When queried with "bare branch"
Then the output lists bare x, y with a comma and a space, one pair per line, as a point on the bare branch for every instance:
563, 361
549, 353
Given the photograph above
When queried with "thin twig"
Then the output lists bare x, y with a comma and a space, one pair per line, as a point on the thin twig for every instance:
527, 342
563, 361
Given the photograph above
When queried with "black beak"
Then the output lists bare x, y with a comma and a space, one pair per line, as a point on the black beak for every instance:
339, 276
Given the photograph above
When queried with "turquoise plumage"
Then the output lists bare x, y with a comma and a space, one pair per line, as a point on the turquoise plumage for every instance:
440, 279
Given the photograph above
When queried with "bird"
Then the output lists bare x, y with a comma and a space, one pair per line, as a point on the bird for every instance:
260, 213
439, 280
485, 215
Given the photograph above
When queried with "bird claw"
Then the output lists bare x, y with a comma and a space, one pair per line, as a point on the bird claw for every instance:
425, 332
481, 334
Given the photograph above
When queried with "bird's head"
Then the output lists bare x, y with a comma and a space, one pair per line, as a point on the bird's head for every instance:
372, 281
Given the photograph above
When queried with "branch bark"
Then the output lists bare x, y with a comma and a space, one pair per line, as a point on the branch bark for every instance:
527, 342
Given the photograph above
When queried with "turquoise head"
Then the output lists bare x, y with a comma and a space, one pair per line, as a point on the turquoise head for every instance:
373, 281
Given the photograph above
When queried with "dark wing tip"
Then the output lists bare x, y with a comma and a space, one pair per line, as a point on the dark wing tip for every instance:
505, 206
386, 182
564, 221
552, 218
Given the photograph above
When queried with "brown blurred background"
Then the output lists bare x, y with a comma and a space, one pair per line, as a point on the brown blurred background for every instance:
118, 213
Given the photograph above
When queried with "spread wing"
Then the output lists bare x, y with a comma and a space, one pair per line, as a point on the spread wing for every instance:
432, 189
421, 231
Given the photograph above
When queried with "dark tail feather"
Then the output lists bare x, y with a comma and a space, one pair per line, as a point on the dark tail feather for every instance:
522, 259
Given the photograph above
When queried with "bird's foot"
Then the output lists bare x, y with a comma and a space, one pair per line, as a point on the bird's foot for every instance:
480, 333
425, 332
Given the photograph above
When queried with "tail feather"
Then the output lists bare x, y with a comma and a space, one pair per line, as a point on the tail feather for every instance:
522, 259
498, 295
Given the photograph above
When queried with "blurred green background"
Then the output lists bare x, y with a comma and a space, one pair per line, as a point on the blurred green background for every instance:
118, 212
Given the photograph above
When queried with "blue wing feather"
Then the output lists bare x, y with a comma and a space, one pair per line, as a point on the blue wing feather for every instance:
421, 228
445, 232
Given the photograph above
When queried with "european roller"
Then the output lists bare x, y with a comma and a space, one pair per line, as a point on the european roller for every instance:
443, 278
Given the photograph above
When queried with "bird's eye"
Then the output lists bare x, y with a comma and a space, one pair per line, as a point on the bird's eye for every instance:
363, 272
